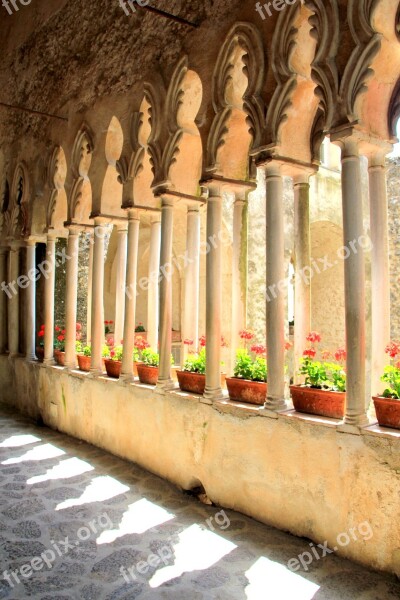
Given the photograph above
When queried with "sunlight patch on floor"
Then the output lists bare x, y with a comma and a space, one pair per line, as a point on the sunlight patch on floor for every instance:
15, 441
43, 452
64, 470
138, 518
280, 582
99, 489
198, 549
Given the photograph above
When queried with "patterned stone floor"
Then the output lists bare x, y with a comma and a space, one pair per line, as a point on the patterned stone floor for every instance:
76, 522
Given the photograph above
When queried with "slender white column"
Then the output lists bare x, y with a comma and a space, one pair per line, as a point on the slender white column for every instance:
89, 290
239, 274
213, 390
380, 272
13, 302
153, 288
97, 335
167, 221
122, 231
302, 258
130, 301
49, 287
275, 315
354, 277
192, 273
3, 300
30, 301
71, 297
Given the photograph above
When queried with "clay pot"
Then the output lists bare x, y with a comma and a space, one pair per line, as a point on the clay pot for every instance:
59, 357
147, 374
325, 403
113, 367
84, 362
387, 411
245, 390
191, 382
39, 351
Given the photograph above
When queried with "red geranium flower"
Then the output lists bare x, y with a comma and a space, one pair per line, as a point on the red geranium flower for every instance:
340, 355
258, 349
310, 352
187, 342
56, 328
246, 334
78, 327
60, 338
393, 349
41, 333
313, 337
326, 355
288, 345
202, 341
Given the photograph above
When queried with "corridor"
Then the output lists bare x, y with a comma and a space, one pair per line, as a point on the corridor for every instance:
79, 523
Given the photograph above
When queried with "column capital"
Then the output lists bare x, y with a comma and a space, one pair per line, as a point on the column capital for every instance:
154, 219
133, 214
122, 227
73, 229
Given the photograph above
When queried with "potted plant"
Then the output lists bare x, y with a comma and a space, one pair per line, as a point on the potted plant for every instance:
40, 346
84, 357
387, 406
192, 377
324, 389
249, 381
113, 360
148, 368
59, 345
140, 328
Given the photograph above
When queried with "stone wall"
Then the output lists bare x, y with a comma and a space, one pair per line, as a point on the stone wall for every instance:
394, 242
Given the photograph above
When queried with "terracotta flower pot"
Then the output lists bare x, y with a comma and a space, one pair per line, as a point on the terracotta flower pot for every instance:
191, 382
245, 390
113, 367
59, 357
387, 411
147, 374
325, 403
39, 353
84, 362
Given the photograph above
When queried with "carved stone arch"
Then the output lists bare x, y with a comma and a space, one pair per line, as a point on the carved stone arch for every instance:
358, 69
156, 99
283, 44
324, 72
248, 37
17, 218
4, 203
394, 110
82, 148
56, 175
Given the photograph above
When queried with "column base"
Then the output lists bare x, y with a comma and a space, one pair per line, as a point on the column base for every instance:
164, 385
126, 378
212, 395
48, 362
356, 420
275, 405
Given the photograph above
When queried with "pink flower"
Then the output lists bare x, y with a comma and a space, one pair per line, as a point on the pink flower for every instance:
246, 334
188, 342
202, 341
288, 345
78, 327
313, 337
310, 352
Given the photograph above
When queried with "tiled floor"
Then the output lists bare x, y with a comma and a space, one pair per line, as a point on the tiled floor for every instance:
76, 522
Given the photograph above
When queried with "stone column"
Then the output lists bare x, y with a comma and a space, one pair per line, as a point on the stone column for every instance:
3, 300
49, 287
122, 232
89, 290
192, 274
97, 335
130, 301
13, 302
354, 279
239, 274
380, 272
71, 296
275, 284
302, 258
166, 269
30, 353
213, 389
153, 288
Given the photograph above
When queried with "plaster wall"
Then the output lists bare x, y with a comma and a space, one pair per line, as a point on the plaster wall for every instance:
303, 476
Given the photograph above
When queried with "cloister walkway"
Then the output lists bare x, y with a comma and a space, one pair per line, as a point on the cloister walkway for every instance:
78, 523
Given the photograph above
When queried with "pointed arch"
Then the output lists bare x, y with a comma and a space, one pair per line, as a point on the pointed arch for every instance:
57, 206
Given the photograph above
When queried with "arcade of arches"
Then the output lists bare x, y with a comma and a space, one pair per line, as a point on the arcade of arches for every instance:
195, 157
